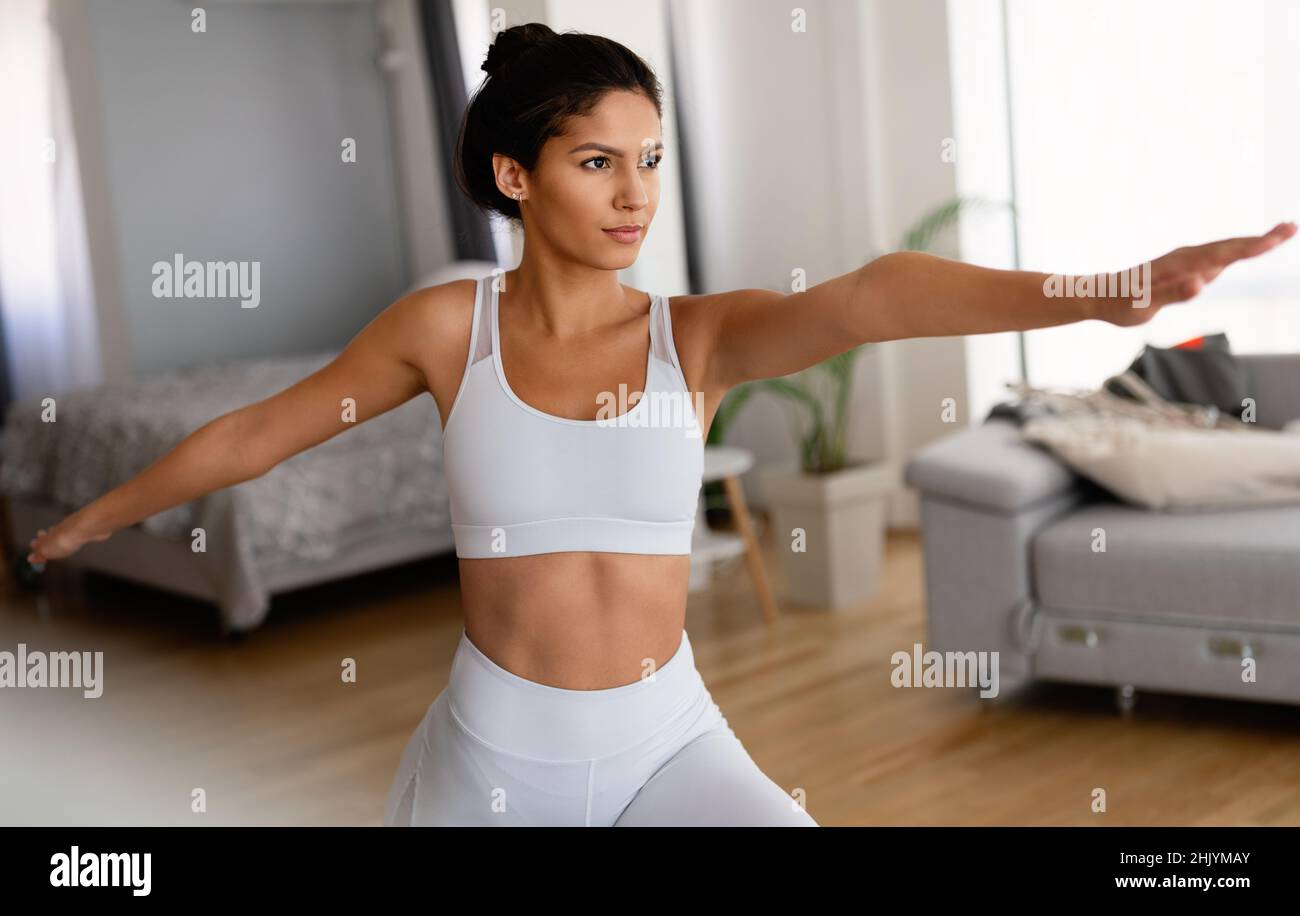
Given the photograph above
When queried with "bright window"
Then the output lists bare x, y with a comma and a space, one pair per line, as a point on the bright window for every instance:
1137, 128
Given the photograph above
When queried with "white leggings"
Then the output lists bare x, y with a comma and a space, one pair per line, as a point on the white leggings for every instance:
498, 749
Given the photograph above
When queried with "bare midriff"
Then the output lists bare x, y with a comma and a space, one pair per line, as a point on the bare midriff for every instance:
576, 620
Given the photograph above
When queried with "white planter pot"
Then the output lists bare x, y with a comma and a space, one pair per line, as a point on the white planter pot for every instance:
842, 517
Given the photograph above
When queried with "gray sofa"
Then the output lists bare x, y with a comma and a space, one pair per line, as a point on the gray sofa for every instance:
1174, 602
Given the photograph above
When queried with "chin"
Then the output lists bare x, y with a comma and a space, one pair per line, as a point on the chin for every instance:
618, 260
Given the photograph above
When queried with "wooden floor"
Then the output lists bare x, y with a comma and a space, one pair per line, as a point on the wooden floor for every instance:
266, 728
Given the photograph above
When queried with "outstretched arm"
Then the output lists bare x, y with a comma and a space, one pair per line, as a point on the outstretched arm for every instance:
764, 334
377, 371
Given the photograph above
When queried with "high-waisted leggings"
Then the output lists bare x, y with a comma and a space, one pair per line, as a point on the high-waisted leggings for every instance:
498, 749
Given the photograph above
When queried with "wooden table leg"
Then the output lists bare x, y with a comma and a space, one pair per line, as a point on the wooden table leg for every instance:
753, 558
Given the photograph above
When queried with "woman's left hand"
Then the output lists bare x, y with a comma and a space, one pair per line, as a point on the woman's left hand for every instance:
1182, 273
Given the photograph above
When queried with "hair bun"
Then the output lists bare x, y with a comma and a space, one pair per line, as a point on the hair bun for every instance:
512, 42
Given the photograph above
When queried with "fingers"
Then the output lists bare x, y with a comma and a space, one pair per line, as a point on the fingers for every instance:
1271, 239
1226, 251
35, 557
1192, 269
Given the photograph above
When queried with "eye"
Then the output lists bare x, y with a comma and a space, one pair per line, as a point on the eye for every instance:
649, 163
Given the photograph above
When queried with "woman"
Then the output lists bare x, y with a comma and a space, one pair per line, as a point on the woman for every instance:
574, 698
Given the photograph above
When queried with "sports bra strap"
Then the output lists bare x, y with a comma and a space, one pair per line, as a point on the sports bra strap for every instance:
483, 319
661, 339
661, 336
658, 332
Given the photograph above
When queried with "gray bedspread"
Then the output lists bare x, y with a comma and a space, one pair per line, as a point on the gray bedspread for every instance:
384, 473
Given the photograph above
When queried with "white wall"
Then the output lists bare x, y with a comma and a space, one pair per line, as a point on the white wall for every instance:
910, 119
814, 150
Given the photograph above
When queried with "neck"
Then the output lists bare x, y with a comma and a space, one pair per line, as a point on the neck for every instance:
566, 300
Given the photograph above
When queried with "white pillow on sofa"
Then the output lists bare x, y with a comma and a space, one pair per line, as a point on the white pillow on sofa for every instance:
1172, 468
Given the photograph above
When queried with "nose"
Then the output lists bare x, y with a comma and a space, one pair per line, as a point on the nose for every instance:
631, 193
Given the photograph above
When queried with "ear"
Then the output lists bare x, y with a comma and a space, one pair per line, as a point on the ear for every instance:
511, 176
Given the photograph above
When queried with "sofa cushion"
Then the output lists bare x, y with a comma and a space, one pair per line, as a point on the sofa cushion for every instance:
1228, 566
991, 466
1275, 387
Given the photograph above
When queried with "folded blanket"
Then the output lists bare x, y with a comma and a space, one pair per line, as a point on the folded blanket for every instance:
1201, 371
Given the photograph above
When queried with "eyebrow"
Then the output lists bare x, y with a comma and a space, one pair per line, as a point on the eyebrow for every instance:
609, 150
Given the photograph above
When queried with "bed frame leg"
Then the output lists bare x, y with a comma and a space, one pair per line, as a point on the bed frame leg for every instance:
231, 634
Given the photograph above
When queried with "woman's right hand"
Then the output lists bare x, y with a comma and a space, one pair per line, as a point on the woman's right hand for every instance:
380, 369
57, 543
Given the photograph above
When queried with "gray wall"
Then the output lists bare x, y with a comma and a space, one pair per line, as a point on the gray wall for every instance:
225, 145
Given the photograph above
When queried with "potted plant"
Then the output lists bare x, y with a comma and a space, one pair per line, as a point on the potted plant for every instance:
829, 511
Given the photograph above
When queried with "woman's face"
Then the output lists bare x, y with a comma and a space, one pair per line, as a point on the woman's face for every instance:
602, 173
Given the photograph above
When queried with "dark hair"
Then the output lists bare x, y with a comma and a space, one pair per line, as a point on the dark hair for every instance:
537, 80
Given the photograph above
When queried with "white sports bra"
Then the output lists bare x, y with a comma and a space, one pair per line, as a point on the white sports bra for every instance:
526, 482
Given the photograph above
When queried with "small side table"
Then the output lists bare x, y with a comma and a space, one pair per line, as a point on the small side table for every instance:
727, 463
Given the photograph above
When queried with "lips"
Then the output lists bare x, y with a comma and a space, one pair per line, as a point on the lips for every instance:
625, 234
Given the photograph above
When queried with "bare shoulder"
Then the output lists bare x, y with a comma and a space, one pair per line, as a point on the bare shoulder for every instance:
444, 309
698, 326
705, 313
439, 319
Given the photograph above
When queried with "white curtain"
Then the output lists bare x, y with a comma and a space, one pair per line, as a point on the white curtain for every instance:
1139, 127
46, 299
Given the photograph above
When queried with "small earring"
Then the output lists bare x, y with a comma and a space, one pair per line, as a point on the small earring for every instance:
516, 195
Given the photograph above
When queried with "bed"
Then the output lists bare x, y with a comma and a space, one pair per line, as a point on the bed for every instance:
370, 497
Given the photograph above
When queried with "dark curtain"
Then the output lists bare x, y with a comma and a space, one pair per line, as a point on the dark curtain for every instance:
471, 231
6, 391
